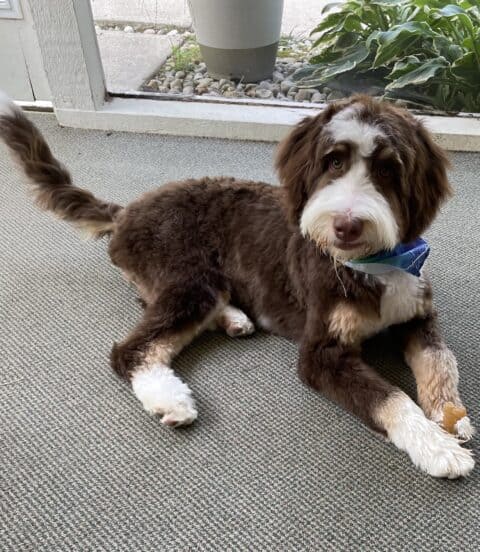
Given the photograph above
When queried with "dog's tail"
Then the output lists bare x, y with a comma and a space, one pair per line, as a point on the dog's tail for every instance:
51, 182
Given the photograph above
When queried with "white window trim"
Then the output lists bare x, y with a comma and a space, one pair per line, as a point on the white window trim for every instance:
74, 70
10, 9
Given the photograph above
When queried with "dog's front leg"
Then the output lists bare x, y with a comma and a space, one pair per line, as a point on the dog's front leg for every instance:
340, 374
435, 369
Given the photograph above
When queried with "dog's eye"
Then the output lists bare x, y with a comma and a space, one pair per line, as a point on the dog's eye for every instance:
384, 171
335, 164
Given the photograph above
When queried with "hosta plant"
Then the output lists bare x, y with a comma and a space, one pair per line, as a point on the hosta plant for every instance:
425, 52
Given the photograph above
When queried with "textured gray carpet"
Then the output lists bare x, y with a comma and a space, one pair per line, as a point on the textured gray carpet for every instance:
269, 465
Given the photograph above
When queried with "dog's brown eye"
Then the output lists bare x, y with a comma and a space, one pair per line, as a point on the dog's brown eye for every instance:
335, 164
385, 172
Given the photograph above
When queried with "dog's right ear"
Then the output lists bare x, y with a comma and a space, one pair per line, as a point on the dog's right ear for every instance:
299, 159
295, 164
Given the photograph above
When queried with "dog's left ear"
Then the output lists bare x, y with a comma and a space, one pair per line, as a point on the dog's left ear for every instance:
296, 164
430, 187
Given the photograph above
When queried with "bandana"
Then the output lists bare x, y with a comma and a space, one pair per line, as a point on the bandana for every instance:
408, 257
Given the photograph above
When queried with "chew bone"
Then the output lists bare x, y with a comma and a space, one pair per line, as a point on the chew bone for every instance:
451, 415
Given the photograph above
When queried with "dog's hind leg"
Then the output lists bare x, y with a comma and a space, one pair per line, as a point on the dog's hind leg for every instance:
234, 321
145, 356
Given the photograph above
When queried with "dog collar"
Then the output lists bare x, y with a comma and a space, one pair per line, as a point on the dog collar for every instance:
408, 257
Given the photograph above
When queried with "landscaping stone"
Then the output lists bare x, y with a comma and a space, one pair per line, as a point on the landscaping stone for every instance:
149, 31
224, 82
177, 83
285, 86
264, 85
275, 88
304, 94
195, 79
153, 84
128, 29
277, 77
318, 97
232, 94
263, 94
335, 95
205, 81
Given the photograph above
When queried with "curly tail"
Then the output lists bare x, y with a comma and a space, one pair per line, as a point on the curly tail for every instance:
51, 182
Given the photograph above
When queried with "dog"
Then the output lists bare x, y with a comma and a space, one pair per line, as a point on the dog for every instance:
358, 180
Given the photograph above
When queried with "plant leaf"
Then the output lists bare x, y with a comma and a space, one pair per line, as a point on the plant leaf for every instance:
391, 3
345, 62
400, 40
446, 49
450, 12
466, 68
346, 41
331, 6
331, 21
403, 66
420, 75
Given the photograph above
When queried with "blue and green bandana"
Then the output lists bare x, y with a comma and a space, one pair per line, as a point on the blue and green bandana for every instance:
408, 257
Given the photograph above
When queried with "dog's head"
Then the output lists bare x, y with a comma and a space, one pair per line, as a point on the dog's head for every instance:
361, 177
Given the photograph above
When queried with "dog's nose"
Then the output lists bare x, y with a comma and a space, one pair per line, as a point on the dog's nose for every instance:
347, 229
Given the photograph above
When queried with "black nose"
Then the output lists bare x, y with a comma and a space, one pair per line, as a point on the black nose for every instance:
347, 229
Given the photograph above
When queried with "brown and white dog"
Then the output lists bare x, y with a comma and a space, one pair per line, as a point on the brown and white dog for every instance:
360, 177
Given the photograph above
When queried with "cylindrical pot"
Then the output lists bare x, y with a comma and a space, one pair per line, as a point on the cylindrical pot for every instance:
238, 38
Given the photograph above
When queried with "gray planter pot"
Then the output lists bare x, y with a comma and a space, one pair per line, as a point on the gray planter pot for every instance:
238, 38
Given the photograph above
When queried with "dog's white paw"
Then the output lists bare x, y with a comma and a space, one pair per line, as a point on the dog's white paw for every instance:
464, 429
430, 448
240, 328
441, 455
235, 322
181, 414
162, 392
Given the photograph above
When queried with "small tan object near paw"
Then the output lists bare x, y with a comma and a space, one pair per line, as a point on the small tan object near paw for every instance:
451, 415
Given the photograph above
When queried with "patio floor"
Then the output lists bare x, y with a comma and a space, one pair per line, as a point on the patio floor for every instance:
269, 465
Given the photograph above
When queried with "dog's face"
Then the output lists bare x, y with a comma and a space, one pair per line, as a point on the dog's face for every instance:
362, 177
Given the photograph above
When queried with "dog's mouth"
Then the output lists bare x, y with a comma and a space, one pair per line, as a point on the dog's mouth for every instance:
348, 245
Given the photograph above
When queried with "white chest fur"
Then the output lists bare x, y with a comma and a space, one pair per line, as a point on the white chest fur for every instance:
403, 298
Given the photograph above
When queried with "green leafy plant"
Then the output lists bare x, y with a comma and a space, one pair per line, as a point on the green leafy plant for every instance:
425, 52
185, 57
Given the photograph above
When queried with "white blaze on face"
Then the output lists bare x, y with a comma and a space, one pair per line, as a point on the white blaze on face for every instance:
353, 194
346, 127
